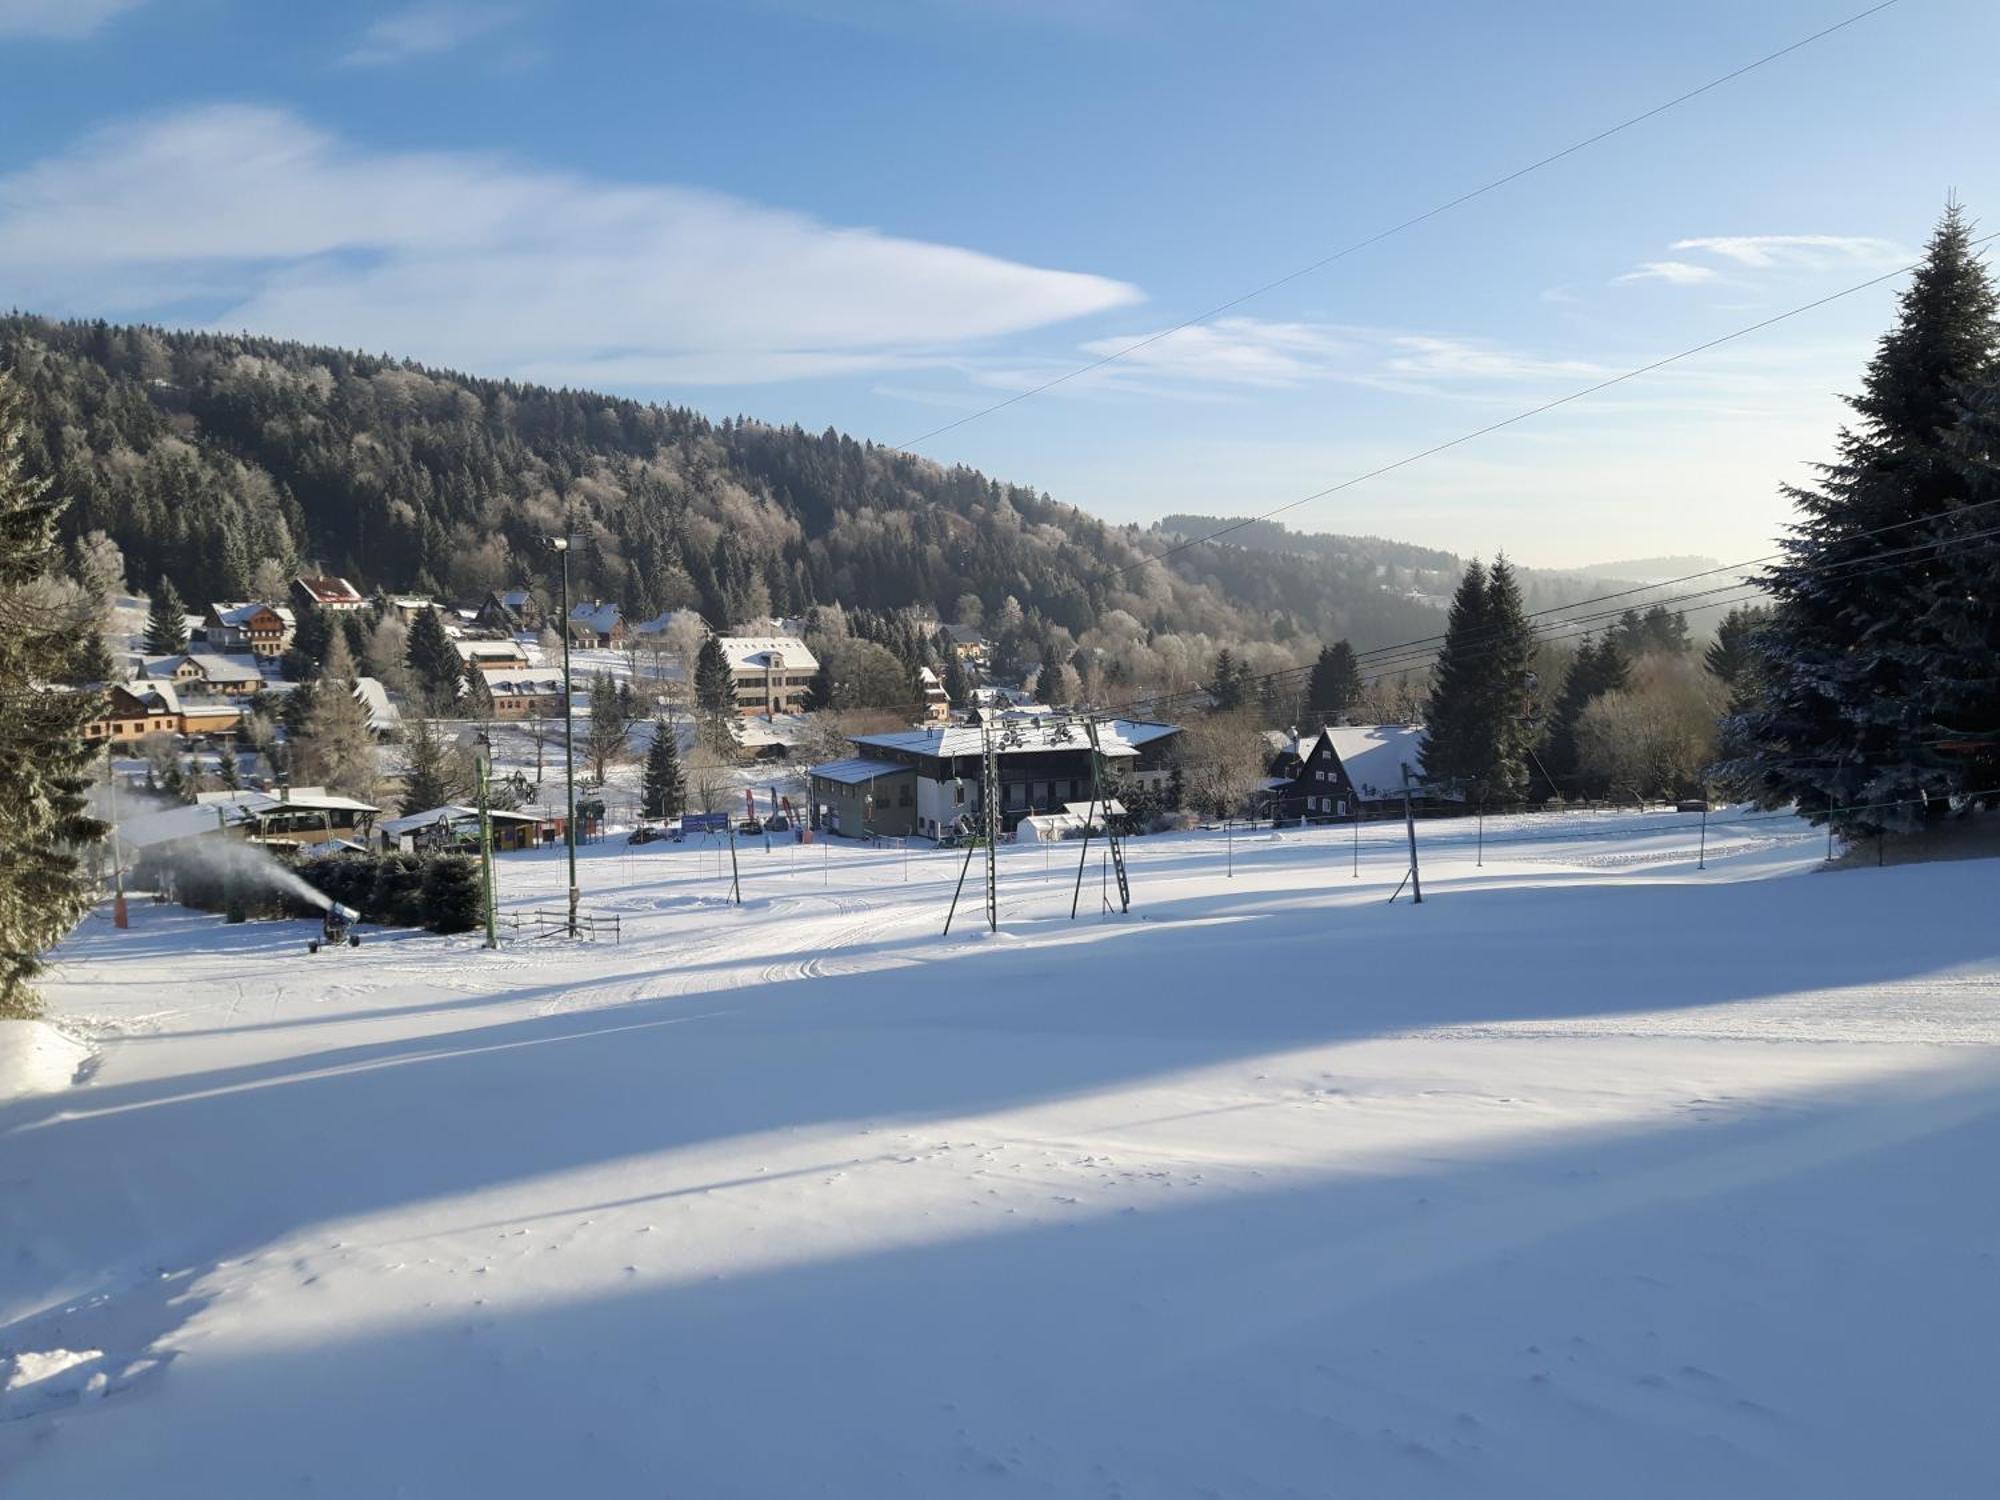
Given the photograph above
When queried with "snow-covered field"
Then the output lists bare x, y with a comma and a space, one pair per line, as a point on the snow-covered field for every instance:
1596, 1175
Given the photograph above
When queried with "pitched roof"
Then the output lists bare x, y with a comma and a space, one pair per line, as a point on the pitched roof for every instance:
1373, 755
382, 714
596, 615
329, 590
453, 813
242, 613
755, 653
857, 769
517, 682
1029, 735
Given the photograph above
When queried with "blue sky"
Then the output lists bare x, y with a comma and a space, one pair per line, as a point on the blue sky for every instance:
885, 214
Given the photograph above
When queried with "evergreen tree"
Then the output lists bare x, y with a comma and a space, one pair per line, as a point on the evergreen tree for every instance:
1453, 718
1851, 691
44, 758
310, 639
956, 687
335, 748
662, 791
90, 660
166, 621
1509, 696
434, 774
714, 684
1598, 668
1962, 622
1234, 682
1334, 686
819, 692
605, 740
478, 700
435, 668
1731, 657
450, 895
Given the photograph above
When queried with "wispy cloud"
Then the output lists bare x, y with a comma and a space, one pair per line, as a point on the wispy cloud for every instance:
482, 263
1244, 354
427, 29
1761, 252
1726, 257
1673, 272
61, 19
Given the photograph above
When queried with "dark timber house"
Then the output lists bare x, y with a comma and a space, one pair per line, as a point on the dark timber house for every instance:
926, 781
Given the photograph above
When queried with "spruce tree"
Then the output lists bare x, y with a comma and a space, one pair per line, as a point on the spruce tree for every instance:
166, 622
450, 895
1963, 619
714, 683
1598, 668
44, 758
1851, 695
1453, 718
433, 773
1508, 699
662, 791
435, 668
1732, 656
605, 739
819, 692
956, 687
1335, 684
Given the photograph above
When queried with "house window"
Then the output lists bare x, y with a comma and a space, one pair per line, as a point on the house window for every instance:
1342, 809
903, 795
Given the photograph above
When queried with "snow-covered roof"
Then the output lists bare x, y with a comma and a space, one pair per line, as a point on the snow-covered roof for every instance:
243, 611
382, 714
756, 653
158, 696
1373, 754
500, 650
596, 615
213, 666
329, 590
452, 814
521, 682
1091, 810
309, 798
1023, 736
857, 769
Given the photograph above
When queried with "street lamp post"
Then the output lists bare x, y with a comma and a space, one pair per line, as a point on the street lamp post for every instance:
561, 546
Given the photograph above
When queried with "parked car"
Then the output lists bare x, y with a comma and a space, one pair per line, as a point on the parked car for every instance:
777, 823
646, 833
750, 826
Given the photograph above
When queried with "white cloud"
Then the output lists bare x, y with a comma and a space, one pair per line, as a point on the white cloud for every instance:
428, 28
1674, 272
483, 264
1745, 253
1245, 353
1802, 251
65, 19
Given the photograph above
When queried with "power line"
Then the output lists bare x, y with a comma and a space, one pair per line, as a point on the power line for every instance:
1522, 416
1406, 656
1395, 229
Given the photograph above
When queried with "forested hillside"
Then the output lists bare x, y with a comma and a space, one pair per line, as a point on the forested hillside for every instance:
204, 455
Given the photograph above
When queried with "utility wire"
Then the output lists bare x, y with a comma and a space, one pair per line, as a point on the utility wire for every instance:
1521, 416
1394, 660
1395, 229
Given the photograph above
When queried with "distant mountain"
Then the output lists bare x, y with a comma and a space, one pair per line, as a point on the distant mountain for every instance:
1650, 569
214, 458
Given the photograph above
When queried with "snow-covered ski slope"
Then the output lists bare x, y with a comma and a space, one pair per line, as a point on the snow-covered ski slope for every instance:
1596, 1175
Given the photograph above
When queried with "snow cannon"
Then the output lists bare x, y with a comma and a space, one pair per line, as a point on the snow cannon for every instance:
336, 929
